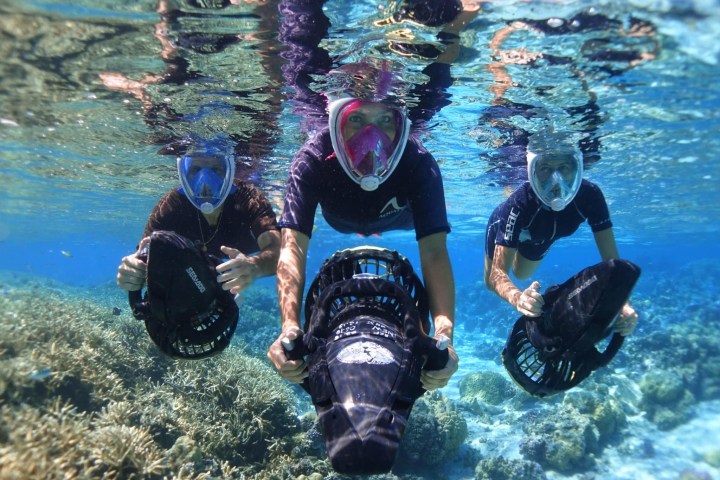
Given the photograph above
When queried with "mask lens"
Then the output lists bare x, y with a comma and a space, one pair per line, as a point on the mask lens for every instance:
368, 139
556, 180
369, 132
207, 180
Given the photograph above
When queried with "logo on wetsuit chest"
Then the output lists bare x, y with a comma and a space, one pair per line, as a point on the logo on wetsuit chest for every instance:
510, 225
391, 207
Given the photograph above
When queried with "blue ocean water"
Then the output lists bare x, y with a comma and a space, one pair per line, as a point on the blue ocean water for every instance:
82, 160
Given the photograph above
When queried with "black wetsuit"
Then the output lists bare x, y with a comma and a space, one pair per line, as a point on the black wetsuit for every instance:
412, 197
246, 214
525, 223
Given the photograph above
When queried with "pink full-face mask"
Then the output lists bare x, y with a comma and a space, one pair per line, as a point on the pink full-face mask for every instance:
368, 138
369, 150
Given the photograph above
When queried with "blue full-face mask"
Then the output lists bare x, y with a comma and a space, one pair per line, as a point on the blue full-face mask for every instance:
206, 180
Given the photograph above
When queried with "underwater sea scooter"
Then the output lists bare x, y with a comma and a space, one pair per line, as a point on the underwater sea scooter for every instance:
555, 352
186, 312
366, 314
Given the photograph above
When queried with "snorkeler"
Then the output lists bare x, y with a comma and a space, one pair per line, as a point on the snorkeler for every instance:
222, 218
552, 204
368, 175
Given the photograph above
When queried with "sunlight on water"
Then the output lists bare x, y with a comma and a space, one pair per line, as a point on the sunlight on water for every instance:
65, 132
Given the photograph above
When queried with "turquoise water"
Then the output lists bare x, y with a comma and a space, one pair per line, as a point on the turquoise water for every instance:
81, 169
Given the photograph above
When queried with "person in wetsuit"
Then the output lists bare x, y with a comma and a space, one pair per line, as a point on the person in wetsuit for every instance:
224, 217
368, 175
551, 205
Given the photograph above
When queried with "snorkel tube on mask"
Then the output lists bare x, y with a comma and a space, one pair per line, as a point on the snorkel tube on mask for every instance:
368, 123
555, 169
206, 178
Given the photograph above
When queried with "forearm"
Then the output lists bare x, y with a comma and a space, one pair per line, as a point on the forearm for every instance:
501, 284
266, 261
605, 241
291, 277
440, 285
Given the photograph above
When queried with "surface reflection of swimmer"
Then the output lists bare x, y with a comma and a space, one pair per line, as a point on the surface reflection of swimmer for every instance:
181, 42
552, 204
304, 25
368, 175
606, 48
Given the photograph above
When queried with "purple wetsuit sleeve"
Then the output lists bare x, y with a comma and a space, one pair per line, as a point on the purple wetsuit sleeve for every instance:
301, 196
428, 198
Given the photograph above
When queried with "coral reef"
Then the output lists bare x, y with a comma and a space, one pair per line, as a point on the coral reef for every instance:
666, 399
560, 439
605, 412
434, 433
490, 387
500, 468
86, 394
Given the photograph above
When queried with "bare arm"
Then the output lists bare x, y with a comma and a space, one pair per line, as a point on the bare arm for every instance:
528, 302
291, 276
439, 282
470, 9
241, 270
605, 241
499, 280
440, 285
290, 286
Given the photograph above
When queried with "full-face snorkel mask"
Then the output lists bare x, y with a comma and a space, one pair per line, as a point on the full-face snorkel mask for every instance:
555, 174
368, 123
368, 139
206, 180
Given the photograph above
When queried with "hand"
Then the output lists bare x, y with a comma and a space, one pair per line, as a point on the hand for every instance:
433, 379
294, 371
237, 273
133, 271
530, 302
627, 321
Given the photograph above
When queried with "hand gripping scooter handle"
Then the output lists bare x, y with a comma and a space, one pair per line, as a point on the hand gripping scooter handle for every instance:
294, 349
438, 355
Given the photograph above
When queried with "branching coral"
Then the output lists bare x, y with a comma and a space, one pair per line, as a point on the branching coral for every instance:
85, 394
